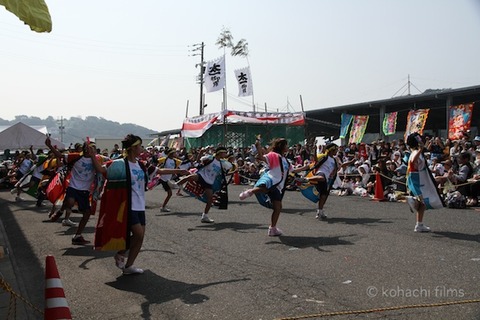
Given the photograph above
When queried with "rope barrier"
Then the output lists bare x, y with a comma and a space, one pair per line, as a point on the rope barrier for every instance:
389, 178
381, 174
399, 182
247, 178
12, 308
351, 312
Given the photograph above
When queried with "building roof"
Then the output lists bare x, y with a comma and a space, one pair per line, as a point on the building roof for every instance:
326, 121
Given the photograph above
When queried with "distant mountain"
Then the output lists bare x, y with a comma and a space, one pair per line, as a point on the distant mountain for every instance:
77, 129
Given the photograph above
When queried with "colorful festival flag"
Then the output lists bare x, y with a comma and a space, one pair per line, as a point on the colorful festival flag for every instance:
346, 120
459, 120
195, 127
359, 126
416, 120
244, 79
390, 123
214, 77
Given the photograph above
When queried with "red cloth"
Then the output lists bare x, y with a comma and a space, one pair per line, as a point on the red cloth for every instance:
111, 230
57, 186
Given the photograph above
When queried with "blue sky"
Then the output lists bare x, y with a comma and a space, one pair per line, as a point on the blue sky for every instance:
131, 62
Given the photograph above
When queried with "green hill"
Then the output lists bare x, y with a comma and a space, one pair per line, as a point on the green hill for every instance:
77, 129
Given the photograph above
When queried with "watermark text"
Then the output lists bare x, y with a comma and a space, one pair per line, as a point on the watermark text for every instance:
418, 292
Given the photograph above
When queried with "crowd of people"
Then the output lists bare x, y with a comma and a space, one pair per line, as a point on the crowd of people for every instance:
120, 178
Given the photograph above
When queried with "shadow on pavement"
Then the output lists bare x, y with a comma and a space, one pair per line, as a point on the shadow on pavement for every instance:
298, 210
458, 236
313, 242
357, 220
234, 226
88, 251
157, 289
179, 214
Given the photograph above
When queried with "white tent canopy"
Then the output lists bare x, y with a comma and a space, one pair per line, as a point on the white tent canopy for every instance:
21, 136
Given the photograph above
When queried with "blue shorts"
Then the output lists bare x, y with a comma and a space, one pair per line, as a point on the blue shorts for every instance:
81, 197
136, 217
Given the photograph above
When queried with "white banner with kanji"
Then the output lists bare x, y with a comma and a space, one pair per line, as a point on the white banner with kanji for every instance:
244, 81
214, 77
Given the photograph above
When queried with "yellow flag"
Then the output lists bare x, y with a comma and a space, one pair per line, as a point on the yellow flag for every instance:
33, 12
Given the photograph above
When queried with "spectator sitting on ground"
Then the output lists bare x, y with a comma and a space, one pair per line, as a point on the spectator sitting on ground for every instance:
400, 178
252, 173
465, 172
441, 180
364, 172
346, 187
397, 158
474, 192
436, 167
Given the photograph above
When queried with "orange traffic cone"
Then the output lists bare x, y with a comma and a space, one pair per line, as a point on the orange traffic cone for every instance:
56, 306
236, 178
379, 196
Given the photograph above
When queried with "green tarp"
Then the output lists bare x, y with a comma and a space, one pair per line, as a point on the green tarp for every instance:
243, 135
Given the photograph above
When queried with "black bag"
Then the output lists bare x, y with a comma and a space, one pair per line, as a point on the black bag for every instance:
223, 198
222, 195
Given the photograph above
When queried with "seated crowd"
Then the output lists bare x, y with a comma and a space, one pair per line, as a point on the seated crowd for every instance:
455, 165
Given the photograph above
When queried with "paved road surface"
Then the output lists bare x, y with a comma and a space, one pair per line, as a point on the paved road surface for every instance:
366, 256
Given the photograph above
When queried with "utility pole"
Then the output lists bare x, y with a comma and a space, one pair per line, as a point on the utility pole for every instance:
199, 47
61, 128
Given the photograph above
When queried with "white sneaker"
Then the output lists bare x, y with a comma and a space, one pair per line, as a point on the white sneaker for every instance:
18, 198
13, 191
412, 203
164, 209
132, 270
206, 219
69, 223
245, 194
321, 215
422, 228
274, 232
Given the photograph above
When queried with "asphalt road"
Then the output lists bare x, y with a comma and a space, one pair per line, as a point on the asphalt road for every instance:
366, 256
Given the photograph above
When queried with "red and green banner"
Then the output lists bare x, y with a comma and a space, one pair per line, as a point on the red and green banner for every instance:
390, 123
459, 120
